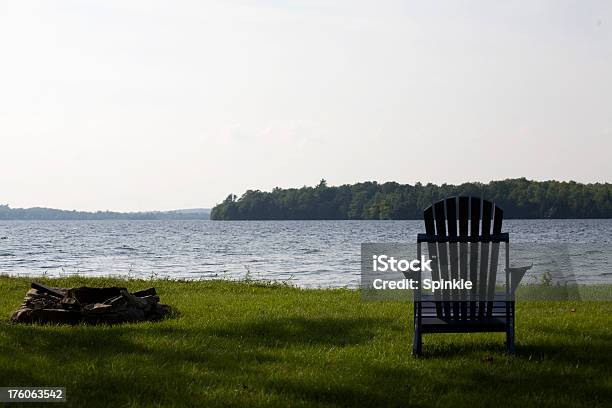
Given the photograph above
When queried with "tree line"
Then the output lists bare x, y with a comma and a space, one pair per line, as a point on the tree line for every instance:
519, 198
41, 213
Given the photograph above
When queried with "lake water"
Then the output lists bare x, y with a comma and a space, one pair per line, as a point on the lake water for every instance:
307, 253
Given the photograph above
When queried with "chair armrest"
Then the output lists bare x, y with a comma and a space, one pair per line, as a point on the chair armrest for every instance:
516, 275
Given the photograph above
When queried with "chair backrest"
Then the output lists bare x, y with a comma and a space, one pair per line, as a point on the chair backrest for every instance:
463, 235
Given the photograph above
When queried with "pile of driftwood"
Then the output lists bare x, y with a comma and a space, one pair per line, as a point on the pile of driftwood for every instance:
43, 304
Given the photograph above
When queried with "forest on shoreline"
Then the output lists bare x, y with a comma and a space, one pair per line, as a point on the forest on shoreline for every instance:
519, 198
50, 214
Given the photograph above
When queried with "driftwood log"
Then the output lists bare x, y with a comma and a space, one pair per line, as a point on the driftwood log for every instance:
113, 305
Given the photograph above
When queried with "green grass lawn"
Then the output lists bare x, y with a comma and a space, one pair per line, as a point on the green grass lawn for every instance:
246, 344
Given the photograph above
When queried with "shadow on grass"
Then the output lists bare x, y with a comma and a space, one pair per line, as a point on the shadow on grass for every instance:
176, 361
553, 374
301, 331
547, 371
285, 358
118, 365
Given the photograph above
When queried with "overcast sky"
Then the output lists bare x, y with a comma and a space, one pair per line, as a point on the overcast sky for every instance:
138, 105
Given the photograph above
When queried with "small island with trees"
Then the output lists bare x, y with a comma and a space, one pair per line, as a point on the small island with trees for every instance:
520, 198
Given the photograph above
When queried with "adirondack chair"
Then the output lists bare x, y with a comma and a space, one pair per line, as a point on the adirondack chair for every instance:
462, 244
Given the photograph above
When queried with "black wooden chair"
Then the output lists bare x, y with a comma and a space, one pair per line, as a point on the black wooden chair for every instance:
463, 235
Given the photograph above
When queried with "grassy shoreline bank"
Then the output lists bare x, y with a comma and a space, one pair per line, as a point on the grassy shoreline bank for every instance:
241, 343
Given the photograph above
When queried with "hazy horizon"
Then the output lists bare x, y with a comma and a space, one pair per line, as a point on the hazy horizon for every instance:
149, 106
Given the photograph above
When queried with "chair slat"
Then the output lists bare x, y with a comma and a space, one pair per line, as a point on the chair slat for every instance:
453, 253
475, 216
464, 203
483, 287
432, 249
498, 216
429, 221
475, 204
440, 217
487, 209
451, 216
463, 216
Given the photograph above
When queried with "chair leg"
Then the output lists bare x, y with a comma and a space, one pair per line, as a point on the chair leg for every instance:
417, 342
510, 340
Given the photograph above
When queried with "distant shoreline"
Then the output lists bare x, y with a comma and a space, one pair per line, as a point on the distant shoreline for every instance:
52, 214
